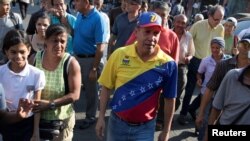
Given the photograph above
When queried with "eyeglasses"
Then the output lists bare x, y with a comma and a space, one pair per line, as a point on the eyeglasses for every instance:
217, 20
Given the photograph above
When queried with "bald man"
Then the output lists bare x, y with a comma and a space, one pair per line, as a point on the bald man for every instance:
186, 53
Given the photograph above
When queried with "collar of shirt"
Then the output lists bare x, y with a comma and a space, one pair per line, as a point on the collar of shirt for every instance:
223, 57
212, 28
132, 52
24, 72
56, 19
91, 12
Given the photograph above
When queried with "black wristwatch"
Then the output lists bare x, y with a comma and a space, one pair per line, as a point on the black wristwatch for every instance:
52, 105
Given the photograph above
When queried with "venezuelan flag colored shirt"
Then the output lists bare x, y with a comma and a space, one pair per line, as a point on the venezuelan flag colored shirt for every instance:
138, 84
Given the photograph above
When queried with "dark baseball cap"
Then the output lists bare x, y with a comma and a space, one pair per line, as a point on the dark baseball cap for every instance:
246, 38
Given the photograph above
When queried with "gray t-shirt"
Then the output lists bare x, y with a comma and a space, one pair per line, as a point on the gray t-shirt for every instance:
122, 28
7, 24
232, 98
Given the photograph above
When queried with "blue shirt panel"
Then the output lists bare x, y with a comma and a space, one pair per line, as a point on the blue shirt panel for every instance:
90, 30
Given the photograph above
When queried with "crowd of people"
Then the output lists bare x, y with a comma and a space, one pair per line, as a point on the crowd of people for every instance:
147, 54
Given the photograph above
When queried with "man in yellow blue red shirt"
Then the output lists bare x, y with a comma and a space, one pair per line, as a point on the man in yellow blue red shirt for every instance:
138, 73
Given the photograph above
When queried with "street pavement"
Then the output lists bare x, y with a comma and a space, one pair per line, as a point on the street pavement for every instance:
178, 132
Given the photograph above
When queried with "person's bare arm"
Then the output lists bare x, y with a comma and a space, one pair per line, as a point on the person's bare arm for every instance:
214, 116
199, 79
36, 135
215, 113
100, 125
9, 117
191, 51
205, 100
169, 108
65, 22
111, 44
98, 55
23, 110
74, 83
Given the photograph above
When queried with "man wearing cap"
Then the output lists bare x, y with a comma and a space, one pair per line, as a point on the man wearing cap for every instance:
230, 39
239, 61
7, 22
138, 73
168, 41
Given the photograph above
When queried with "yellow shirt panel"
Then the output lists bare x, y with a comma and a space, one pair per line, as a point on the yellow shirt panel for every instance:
124, 65
202, 35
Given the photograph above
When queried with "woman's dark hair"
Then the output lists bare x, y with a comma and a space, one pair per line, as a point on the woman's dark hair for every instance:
15, 37
42, 15
55, 29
